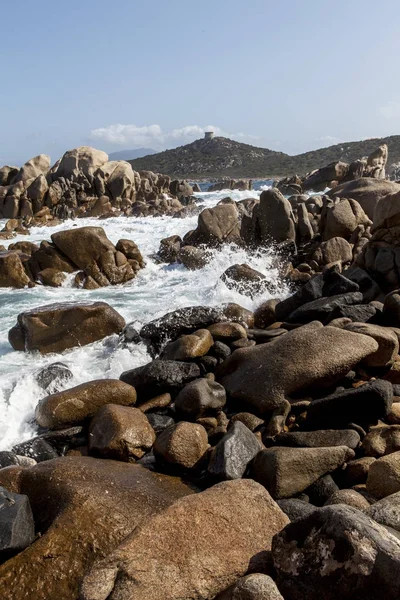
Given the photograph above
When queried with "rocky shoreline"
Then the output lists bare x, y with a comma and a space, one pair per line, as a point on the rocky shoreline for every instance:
257, 455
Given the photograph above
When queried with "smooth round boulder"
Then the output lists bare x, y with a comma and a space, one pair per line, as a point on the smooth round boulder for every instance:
120, 432
57, 327
12, 272
264, 315
252, 587
387, 340
182, 445
52, 277
308, 356
227, 331
350, 498
189, 346
83, 508
382, 440
384, 476
160, 377
73, 406
195, 550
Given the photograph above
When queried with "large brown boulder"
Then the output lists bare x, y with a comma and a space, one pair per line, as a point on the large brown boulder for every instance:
72, 406
367, 191
33, 168
82, 245
376, 163
321, 178
84, 158
286, 472
90, 249
83, 508
272, 220
380, 256
342, 218
215, 226
120, 432
311, 355
7, 174
120, 180
57, 327
37, 190
49, 257
12, 272
194, 550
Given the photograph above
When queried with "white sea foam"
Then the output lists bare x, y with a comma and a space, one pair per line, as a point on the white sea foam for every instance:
158, 288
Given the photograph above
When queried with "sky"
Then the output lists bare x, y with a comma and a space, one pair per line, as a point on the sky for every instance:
290, 75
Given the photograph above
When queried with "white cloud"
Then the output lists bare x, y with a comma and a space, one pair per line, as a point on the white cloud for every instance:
124, 134
193, 131
154, 136
391, 110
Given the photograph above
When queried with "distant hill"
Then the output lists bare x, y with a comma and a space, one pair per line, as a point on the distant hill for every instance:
131, 154
222, 157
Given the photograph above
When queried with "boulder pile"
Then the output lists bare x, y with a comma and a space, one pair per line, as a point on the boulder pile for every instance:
255, 456
84, 250
338, 172
283, 421
85, 183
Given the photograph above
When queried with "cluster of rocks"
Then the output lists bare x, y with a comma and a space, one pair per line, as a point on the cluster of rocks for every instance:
84, 250
231, 184
256, 456
85, 183
338, 172
355, 223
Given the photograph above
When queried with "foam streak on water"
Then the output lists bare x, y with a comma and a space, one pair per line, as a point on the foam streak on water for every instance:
158, 288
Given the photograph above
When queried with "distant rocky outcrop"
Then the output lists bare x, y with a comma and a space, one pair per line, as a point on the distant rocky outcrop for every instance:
338, 172
220, 157
84, 182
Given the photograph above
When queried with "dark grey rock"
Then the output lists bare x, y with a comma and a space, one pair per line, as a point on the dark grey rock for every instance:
159, 422
232, 454
160, 376
130, 335
312, 290
7, 459
323, 308
178, 322
17, 527
295, 508
368, 287
65, 439
321, 438
220, 350
54, 377
208, 364
363, 405
358, 313
320, 491
36, 448
387, 511
200, 398
337, 552
335, 284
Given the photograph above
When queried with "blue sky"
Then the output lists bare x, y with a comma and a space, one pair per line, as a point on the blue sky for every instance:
291, 75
